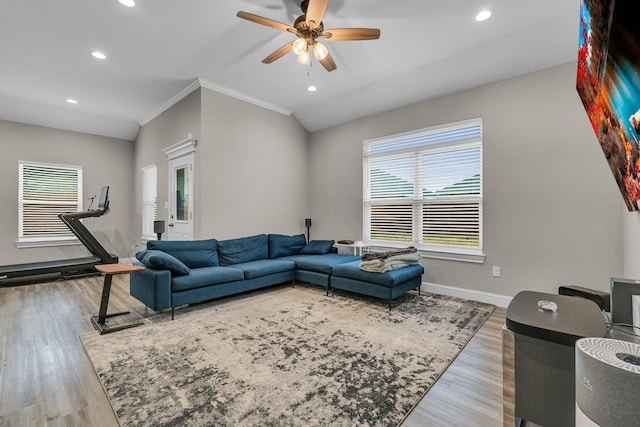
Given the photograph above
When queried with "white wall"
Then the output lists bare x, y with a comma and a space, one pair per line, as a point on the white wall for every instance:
104, 161
552, 210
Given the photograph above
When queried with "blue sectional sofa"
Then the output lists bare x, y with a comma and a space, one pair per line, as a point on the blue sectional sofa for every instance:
186, 272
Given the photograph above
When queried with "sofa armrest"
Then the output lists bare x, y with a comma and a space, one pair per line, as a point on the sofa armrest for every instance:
152, 287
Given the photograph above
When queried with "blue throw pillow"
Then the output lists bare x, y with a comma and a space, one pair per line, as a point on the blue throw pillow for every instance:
318, 247
281, 245
162, 261
193, 253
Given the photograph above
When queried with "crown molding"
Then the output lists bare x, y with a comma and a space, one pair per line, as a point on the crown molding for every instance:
200, 82
230, 92
170, 103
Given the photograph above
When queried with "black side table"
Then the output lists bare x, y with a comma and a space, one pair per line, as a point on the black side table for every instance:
100, 321
544, 354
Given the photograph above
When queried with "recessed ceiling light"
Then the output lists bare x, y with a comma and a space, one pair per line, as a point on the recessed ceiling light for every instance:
128, 3
72, 101
312, 88
99, 55
484, 15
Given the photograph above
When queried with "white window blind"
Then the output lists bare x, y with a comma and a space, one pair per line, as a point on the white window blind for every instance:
149, 200
44, 192
424, 188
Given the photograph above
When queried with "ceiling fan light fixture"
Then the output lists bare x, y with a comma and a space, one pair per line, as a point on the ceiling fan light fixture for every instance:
300, 46
320, 51
304, 58
312, 88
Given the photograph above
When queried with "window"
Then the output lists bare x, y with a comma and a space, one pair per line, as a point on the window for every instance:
149, 200
424, 189
44, 192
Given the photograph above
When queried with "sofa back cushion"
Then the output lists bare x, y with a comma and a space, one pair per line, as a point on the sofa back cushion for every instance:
318, 247
244, 249
193, 253
281, 245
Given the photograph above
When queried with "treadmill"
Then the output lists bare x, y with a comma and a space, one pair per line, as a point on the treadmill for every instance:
69, 268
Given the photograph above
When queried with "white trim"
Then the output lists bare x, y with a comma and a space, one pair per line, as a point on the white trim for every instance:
200, 82
170, 103
454, 256
470, 294
459, 123
230, 92
41, 242
181, 148
457, 254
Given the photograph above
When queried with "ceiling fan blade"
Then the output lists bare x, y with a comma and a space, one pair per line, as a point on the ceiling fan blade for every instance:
266, 21
328, 63
278, 53
315, 12
348, 34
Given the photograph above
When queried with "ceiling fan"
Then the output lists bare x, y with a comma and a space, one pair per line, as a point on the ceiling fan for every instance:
309, 27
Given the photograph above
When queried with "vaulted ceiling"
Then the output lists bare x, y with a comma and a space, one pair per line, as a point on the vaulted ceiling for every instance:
160, 49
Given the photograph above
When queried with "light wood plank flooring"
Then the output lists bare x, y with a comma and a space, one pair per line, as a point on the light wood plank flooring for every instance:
47, 380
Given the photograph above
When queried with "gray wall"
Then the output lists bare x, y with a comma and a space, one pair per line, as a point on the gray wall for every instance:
104, 161
170, 127
631, 245
250, 167
552, 211
253, 169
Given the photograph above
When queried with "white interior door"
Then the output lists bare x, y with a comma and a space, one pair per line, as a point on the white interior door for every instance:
181, 198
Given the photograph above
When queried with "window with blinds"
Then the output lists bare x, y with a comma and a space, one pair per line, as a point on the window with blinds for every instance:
149, 200
44, 192
424, 188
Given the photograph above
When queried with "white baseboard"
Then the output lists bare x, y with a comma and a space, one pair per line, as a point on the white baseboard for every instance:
471, 294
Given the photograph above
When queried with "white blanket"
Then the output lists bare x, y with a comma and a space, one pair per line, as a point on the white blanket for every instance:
390, 263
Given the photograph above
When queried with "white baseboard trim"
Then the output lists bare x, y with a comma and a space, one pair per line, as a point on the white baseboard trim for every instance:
471, 294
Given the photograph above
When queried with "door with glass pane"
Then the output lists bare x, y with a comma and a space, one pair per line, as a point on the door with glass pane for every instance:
181, 198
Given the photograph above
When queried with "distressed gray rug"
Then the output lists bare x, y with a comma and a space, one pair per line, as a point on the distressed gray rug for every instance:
283, 357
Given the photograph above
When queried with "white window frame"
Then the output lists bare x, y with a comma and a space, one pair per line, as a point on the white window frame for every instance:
404, 146
149, 212
45, 239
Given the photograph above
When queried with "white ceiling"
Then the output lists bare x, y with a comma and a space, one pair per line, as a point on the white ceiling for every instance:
160, 48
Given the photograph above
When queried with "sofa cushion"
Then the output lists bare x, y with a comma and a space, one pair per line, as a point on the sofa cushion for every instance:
320, 263
318, 247
281, 245
205, 276
264, 267
389, 279
193, 253
162, 261
244, 249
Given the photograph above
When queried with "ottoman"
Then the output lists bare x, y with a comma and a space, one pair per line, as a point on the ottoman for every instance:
389, 285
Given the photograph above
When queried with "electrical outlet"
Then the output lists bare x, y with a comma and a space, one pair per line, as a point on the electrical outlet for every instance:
496, 271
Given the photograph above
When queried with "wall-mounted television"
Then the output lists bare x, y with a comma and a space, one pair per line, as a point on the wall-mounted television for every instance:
608, 82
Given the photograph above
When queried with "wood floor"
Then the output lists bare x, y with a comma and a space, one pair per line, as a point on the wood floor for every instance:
47, 380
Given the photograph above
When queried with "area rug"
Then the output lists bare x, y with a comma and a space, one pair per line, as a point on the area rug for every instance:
283, 357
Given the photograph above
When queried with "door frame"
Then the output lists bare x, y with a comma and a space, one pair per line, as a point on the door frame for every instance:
175, 151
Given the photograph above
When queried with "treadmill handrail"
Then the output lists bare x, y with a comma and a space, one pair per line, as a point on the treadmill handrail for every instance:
72, 220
